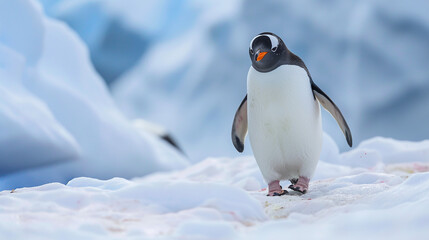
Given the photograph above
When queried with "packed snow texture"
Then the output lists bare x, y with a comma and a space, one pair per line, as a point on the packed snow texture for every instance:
183, 64
57, 118
377, 191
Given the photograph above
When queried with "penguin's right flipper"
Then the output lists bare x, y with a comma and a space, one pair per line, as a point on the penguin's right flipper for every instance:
239, 126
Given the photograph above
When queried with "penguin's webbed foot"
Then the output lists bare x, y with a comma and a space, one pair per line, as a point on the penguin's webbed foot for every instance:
301, 185
277, 193
274, 189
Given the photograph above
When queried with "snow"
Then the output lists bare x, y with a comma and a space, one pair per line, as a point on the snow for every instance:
57, 117
224, 198
370, 57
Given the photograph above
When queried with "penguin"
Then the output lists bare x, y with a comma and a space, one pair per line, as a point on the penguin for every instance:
281, 114
158, 131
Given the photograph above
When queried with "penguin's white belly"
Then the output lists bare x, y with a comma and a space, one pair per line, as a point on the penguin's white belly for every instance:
284, 122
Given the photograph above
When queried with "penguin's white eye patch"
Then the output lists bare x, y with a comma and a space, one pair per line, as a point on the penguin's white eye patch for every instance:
251, 42
274, 41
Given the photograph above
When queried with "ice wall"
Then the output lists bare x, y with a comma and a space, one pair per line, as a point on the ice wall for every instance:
371, 57
56, 111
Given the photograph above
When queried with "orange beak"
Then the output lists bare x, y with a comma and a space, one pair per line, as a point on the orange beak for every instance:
260, 56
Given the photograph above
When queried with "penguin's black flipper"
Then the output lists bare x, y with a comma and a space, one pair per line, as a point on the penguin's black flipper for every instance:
330, 106
239, 126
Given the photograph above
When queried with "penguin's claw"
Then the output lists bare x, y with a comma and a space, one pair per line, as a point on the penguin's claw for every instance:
298, 189
277, 193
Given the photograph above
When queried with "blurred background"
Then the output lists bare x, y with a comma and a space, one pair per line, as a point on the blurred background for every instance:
183, 64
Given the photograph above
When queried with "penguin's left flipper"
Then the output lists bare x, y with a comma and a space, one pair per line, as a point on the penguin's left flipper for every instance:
330, 106
239, 126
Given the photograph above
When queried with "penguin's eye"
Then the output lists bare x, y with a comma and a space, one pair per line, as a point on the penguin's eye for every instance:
274, 49
251, 51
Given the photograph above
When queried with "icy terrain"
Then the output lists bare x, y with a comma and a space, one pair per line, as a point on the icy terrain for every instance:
190, 58
378, 191
60, 126
57, 119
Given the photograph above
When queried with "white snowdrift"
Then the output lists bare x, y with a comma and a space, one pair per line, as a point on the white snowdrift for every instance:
54, 107
223, 199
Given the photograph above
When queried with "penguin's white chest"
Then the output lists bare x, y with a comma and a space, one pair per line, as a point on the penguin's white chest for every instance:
285, 128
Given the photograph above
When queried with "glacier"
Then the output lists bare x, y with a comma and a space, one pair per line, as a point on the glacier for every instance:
370, 57
58, 120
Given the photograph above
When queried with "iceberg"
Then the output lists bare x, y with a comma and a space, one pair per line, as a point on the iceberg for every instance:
58, 117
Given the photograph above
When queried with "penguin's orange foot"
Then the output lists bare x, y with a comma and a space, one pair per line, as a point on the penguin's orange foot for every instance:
274, 189
301, 185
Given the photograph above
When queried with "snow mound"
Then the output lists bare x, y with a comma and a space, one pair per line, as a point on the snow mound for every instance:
209, 201
122, 207
380, 150
55, 107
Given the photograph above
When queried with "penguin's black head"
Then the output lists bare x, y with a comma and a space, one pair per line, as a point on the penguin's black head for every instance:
267, 52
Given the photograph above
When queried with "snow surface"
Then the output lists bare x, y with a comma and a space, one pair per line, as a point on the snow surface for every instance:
57, 118
369, 56
224, 198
